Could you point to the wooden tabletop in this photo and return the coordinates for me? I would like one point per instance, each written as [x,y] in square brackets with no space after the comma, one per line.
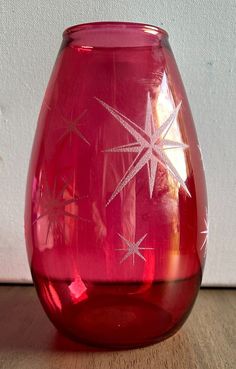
[29,341]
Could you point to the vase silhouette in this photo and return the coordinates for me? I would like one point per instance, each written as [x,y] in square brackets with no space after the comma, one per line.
[116,209]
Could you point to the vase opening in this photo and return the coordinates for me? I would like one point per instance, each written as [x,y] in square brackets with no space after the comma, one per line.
[115,34]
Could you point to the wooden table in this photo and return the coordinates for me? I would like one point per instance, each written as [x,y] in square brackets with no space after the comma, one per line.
[29,341]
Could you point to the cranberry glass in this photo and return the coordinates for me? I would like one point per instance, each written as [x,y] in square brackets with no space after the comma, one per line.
[116,209]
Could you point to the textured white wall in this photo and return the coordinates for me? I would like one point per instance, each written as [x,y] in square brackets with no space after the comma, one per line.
[203,38]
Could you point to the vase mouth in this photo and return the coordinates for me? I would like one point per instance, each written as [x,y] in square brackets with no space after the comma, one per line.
[114,34]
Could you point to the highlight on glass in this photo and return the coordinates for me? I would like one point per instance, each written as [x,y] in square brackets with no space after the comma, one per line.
[116,210]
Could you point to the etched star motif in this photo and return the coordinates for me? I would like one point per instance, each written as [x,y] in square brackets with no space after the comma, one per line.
[133,248]
[150,145]
[205,232]
[53,207]
[47,105]
[72,127]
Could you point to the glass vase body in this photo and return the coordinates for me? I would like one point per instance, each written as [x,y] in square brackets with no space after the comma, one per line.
[116,209]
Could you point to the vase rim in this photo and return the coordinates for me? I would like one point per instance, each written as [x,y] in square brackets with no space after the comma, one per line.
[155,32]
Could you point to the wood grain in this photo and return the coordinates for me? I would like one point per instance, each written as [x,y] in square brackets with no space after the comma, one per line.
[29,341]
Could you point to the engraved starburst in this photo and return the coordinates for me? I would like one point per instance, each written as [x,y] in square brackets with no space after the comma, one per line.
[205,232]
[150,145]
[71,127]
[133,248]
[53,206]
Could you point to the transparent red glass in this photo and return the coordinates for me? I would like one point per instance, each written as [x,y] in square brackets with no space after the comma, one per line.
[116,209]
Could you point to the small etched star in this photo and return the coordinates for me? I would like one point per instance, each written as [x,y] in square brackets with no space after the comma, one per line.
[133,248]
[205,232]
[150,145]
[47,105]
[72,127]
[53,207]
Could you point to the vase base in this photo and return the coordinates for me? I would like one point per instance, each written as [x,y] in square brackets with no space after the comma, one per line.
[118,315]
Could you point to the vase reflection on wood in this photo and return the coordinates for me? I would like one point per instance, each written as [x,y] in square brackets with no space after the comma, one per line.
[116,209]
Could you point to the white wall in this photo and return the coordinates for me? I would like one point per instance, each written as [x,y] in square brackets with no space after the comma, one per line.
[203,38]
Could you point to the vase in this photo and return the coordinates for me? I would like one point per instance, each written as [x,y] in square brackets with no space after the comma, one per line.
[116,207]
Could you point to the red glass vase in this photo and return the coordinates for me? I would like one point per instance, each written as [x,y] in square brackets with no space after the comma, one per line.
[116,209]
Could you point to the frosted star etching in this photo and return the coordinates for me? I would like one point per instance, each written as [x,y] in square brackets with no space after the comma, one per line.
[150,145]
[205,239]
[53,207]
[72,127]
[133,248]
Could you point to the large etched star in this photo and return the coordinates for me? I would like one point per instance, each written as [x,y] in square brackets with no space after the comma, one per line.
[53,206]
[150,145]
[133,248]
